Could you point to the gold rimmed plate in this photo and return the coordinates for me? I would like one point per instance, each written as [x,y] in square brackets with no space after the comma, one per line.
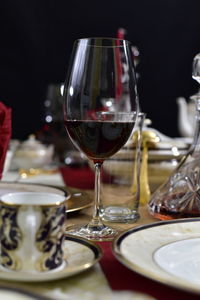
[77,199]
[166,251]
[81,256]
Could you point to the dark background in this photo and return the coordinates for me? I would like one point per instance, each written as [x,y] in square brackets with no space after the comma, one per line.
[36,38]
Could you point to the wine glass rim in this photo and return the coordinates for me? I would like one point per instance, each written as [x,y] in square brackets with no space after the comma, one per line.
[104,38]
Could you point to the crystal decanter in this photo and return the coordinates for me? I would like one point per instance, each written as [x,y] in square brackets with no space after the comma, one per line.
[179,196]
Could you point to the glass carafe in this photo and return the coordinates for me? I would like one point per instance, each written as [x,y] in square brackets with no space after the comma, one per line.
[179,196]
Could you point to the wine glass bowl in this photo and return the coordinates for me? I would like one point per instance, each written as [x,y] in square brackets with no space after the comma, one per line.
[100,109]
[104,134]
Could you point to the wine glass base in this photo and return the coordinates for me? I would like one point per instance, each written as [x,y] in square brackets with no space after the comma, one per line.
[95,233]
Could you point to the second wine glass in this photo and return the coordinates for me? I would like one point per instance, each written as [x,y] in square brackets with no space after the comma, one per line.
[100,109]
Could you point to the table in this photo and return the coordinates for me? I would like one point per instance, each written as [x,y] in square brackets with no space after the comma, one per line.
[107,276]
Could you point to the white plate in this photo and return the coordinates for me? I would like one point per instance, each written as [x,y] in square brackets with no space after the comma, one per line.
[81,255]
[166,251]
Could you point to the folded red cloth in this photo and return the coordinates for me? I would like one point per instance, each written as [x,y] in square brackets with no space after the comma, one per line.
[122,278]
[5,133]
[80,177]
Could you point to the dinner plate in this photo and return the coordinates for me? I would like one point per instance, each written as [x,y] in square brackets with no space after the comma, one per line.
[166,251]
[81,255]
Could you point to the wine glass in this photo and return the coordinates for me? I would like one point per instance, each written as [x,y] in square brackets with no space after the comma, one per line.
[100,110]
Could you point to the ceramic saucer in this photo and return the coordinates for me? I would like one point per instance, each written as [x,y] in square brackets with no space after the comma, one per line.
[81,255]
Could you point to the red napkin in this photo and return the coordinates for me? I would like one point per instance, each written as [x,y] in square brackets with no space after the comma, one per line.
[5,133]
[81,178]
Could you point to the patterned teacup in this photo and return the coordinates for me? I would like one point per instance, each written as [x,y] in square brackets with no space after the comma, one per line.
[32,229]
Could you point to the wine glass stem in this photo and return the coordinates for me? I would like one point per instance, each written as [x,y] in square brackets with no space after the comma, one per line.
[96,220]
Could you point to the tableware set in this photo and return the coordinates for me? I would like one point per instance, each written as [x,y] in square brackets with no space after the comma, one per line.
[101,116]
[34,246]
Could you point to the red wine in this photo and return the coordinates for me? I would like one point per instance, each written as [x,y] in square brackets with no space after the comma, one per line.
[167,215]
[173,207]
[99,140]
